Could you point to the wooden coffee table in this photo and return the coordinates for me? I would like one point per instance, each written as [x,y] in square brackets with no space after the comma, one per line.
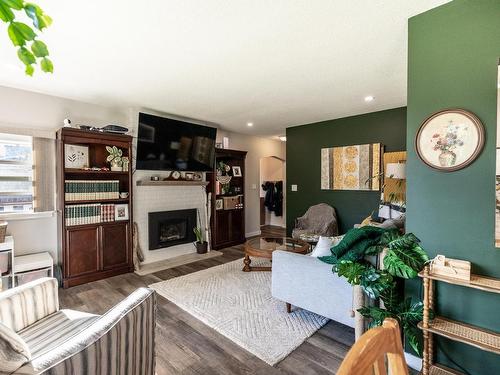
[263,247]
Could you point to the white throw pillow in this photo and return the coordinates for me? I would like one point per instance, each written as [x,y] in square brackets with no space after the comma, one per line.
[13,350]
[322,248]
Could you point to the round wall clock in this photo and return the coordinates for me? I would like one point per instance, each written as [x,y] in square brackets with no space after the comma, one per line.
[450,140]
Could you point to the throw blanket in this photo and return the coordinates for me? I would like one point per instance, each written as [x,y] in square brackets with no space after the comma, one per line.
[355,245]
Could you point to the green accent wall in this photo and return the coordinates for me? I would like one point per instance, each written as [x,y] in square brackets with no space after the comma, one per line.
[303,153]
[453,56]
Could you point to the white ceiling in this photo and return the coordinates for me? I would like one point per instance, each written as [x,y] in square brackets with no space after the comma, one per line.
[275,63]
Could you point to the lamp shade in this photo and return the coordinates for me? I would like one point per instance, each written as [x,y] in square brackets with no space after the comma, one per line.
[396,170]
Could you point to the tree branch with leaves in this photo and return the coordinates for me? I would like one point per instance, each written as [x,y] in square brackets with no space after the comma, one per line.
[31,51]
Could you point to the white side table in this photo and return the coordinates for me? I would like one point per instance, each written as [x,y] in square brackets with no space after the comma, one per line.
[40,263]
[7,248]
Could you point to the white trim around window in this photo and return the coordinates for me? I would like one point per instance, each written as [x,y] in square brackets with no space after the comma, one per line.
[13,216]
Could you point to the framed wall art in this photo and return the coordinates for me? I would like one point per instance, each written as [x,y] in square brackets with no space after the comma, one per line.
[237,171]
[76,156]
[121,212]
[219,204]
[450,140]
[351,167]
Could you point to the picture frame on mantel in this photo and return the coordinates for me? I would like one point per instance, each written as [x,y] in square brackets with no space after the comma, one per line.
[450,140]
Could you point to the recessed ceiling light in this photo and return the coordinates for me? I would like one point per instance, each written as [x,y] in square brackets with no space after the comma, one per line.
[282,138]
[369,98]
[250,124]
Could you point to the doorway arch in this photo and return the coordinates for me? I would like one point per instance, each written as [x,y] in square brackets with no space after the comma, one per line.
[272,169]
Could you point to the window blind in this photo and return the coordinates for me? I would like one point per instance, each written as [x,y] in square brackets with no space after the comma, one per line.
[16,173]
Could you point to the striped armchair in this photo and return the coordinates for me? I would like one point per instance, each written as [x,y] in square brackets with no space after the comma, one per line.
[59,341]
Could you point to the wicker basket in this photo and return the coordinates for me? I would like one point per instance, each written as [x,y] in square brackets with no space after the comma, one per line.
[3,231]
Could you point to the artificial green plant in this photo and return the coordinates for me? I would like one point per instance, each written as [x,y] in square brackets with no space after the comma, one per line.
[115,155]
[31,51]
[404,259]
[199,234]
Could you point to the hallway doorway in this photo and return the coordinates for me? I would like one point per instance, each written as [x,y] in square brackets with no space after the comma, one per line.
[272,192]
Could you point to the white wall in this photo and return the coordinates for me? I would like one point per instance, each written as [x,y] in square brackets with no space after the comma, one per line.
[26,112]
[35,235]
[22,109]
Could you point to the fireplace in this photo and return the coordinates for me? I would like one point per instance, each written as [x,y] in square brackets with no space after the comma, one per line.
[170,228]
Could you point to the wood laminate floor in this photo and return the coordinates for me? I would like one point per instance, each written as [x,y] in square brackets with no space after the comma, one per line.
[187,346]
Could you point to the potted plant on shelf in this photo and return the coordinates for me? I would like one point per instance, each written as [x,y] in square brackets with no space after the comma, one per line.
[115,158]
[201,246]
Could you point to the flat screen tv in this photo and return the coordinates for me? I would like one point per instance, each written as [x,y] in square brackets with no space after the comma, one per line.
[174,145]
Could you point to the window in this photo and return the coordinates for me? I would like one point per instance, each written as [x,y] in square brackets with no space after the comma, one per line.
[16,173]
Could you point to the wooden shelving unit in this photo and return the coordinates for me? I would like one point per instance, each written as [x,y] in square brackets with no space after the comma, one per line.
[94,251]
[442,370]
[85,171]
[171,183]
[228,224]
[453,330]
[84,201]
[488,284]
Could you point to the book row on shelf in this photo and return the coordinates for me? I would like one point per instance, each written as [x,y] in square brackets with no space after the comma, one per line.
[76,190]
[94,213]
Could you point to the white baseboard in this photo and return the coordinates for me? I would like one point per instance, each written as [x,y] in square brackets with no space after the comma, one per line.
[253,234]
[413,361]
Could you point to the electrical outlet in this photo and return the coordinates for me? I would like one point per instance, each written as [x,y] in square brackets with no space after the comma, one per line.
[254,186]
[294,187]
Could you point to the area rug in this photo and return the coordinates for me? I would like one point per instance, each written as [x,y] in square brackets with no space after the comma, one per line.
[161,265]
[239,305]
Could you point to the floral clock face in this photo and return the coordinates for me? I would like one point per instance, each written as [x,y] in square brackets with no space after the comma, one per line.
[450,140]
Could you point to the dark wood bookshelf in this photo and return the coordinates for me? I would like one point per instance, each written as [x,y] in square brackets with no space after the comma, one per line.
[227,225]
[106,223]
[90,201]
[94,251]
[86,171]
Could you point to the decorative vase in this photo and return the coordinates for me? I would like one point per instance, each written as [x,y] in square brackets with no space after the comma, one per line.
[116,165]
[447,158]
[125,164]
[201,247]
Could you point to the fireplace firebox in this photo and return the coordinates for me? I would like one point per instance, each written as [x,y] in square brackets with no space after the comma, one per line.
[170,228]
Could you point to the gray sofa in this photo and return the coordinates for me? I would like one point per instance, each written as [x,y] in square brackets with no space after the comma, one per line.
[306,282]
[59,341]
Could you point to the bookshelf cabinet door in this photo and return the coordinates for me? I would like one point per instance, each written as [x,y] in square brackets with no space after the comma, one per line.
[115,245]
[237,225]
[82,251]
[222,231]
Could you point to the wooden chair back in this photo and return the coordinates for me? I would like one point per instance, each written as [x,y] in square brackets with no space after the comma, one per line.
[368,355]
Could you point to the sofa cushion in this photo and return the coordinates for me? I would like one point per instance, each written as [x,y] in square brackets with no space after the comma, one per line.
[55,329]
[322,248]
[26,304]
[13,350]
